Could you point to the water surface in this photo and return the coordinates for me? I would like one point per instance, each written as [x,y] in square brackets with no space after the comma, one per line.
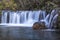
[27,33]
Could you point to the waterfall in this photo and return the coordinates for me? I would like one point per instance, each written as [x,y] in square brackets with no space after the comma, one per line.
[53,13]
[29,17]
[4,17]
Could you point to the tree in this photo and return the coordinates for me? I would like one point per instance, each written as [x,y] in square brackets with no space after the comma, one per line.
[8,4]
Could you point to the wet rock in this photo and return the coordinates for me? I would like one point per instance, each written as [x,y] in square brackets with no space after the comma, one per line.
[58,19]
[38,25]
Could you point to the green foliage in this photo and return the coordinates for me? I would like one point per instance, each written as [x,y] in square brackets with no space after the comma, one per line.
[8,4]
[28,4]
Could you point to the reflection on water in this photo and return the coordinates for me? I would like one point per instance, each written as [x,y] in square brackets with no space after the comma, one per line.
[25,33]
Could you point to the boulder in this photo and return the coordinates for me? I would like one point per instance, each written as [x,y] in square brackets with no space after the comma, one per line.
[38,25]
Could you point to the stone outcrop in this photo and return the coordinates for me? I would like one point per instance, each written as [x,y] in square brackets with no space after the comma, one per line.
[38,25]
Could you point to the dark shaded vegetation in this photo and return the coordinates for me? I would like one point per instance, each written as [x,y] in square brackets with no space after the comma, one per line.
[28,4]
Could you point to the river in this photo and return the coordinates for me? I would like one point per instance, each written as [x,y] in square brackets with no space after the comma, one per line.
[27,33]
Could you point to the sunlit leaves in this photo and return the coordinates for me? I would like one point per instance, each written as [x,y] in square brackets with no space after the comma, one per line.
[28,4]
[8,4]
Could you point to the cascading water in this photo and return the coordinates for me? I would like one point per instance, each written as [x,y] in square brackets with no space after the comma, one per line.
[50,19]
[21,18]
[28,18]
